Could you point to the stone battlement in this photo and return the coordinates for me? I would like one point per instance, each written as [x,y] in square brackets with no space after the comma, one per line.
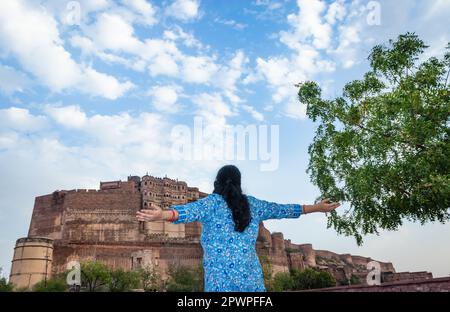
[100,224]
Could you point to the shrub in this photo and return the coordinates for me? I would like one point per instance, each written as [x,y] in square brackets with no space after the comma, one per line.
[184,279]
[4,285]
[122,281]
[150,279]
[312,279]
[95,275]
[282,281]
[51,285]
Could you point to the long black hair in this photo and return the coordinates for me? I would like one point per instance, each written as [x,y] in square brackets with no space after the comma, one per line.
[228,184]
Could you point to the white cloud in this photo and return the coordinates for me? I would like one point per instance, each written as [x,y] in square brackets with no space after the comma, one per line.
[212,108]
[346,51]
[270,4]
[336,12]
[252,111]
[111,131]
[165,98]
[162,56]
[282,73]
[231,23]
[20,119]
[228,76]
[69,116]
[274,69]
[89,49]
[113,32]
[308,25]
[67,14]
[135,11]
[184,10]
[309,39]
[295,109]
[198,69]
[31,35]
[85,44]
[436,8]
[145,10]
[12,81]
[100,84]
[188,39]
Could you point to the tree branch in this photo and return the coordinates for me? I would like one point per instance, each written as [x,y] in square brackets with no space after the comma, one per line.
[386,135]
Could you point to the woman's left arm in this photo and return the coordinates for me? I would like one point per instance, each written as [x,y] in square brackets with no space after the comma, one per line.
[269,210]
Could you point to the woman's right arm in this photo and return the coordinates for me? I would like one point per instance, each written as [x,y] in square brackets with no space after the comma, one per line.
[323,206]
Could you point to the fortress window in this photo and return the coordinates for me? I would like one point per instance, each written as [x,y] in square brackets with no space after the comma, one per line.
[138,262]
[141,226]
[145,182]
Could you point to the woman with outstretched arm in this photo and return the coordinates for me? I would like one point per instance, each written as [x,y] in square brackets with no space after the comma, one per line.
[230,228]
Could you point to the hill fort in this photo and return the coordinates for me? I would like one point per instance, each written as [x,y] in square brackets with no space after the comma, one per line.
[100,224]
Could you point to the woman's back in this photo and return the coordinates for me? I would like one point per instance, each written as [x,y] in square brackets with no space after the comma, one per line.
[230,259]
[230,228]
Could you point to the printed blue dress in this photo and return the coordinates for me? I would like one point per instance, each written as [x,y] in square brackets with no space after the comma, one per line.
[230,261]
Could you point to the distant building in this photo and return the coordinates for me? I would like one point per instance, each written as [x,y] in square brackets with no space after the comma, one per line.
[101,225]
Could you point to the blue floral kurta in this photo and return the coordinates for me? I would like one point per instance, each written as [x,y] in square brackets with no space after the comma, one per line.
[229,257]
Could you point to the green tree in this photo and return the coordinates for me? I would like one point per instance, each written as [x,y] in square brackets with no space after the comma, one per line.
[312,279]
[57,284]
[4,285]
[355,280]
[282,281]
[150,279]
[94,275]
[121,281]
[182,278]
[383,146]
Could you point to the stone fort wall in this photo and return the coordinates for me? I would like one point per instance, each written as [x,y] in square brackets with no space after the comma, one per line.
[101,225]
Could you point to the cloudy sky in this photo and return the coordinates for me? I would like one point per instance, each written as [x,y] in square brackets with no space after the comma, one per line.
[92,90]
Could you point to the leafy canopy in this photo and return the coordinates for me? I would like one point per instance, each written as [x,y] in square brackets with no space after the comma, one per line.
[383,146]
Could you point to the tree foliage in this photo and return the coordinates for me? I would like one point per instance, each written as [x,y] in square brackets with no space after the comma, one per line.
[52,285]
[121,281]
[4,285]
[182,278]
[383,145]
[150,279]
[94,275]
[312,279]
[282,281]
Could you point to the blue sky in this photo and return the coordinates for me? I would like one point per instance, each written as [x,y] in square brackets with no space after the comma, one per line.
[94,96]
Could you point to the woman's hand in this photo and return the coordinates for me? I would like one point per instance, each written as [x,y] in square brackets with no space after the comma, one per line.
[154,214]
[323,206]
